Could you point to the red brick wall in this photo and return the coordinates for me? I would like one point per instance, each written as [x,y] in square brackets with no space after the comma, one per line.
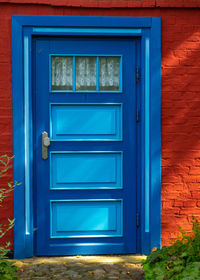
[180,97]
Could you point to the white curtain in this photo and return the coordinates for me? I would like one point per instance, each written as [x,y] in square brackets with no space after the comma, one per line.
[109,76]
[85,73]
[61,67]
[62,72]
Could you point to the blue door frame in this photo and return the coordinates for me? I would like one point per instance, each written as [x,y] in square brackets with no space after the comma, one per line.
[148,31]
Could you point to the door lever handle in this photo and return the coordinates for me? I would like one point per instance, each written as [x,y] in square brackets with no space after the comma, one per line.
[45,145]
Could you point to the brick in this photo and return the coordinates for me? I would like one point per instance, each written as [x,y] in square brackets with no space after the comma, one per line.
[195,194]
[173,211]
[198,203]
[173,179]
[194,186]
[190,212]
[170,218]
[170,194]
[180,95]
[189,203]
[168,204]
[91,3]
[178,203]
[172,187]
[192,179]
[111,4]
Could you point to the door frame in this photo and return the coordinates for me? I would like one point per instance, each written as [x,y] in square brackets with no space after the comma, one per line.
[148,30]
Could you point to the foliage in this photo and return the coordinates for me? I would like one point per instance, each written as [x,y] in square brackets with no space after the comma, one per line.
[180,261]
[7,269]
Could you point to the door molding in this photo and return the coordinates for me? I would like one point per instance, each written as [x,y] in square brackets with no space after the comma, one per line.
[148,30]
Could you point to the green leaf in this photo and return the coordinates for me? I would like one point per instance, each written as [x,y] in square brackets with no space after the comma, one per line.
[180,261]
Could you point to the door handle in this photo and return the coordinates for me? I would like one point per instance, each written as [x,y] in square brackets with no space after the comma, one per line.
[45,145]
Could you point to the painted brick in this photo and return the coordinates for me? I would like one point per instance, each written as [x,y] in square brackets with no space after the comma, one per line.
[169,204]
[90,3]
[195,195]
[177,3]
[195,170]
[189,203]
[112,3]
[190,212]
[194,187]
[198,203]
[178,203]
[180,96]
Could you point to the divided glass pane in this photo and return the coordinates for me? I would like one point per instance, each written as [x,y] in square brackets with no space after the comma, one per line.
[109,74]
[61,73]
[85,73]
[65,76]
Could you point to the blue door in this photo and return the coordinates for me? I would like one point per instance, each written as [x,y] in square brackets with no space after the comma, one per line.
[85,191]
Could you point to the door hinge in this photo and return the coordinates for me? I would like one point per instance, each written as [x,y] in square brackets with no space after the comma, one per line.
[137,220]
[137,115]
[138,74]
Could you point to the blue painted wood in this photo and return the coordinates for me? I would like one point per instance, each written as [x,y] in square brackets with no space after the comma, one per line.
[147,134]
[91,218]
[145,159]
[23,25]
[121,75]
[22,143]
[97,71]
[86,30]
[86,170]
[18,140]
[86,122]
[84,21]
[28,138]
[150,154]
[139,146]
[155,127]
[27,128]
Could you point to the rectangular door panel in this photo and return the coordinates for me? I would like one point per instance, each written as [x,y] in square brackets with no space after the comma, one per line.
[88,122]
[86,170]
[91,218]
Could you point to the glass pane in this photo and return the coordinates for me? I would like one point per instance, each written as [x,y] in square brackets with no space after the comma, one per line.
[109,76]
[61,69]
[85,73]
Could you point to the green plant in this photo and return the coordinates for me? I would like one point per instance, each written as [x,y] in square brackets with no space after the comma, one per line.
[180,261]
[7,269]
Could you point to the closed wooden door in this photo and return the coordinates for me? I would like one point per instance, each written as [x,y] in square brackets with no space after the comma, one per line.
[85,187]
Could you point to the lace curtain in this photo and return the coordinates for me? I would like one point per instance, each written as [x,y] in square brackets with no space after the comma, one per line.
[61,67]
[109,73]
[86,73]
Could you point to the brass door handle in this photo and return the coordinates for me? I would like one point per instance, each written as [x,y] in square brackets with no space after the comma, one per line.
[45,145]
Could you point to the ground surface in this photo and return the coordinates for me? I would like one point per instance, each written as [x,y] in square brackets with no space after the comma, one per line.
[81,267]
